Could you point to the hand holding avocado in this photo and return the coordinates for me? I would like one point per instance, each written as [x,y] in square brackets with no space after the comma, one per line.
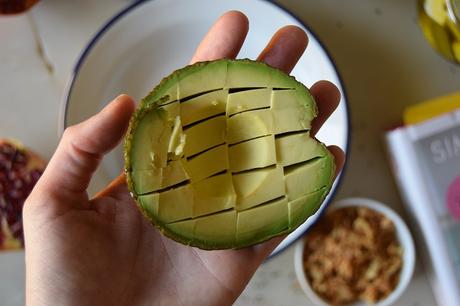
[102,251]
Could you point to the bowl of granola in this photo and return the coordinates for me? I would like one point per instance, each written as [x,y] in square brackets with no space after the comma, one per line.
[359,253]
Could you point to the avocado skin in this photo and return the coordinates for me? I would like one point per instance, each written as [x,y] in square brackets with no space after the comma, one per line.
[157,97]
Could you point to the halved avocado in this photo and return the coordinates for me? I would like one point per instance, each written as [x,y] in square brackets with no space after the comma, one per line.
[219,155]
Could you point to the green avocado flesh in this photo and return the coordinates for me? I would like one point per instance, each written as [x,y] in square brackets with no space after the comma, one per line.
[219,155]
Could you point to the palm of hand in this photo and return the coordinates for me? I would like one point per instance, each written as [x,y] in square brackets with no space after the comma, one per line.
[120,259]
[102,251]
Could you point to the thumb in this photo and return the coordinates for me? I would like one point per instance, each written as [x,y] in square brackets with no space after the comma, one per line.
[80,150]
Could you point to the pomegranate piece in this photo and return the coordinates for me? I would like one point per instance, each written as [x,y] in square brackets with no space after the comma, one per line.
[20,169]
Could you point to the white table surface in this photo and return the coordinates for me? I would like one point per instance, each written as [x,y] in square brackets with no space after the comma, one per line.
[385,63]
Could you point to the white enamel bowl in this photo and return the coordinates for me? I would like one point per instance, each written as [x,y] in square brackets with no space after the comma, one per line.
[149,39]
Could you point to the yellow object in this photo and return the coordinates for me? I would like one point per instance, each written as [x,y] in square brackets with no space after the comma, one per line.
[432,108]
[440,23]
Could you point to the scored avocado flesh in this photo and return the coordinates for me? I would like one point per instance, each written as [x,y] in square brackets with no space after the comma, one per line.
[219,155]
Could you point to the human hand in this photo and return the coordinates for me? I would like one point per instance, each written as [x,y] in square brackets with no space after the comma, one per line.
[102,251]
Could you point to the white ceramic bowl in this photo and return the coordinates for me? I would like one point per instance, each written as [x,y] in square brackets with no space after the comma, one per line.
[405,240]
[147,40]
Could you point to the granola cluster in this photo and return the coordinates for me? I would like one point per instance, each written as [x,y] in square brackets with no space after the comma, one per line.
[353,254]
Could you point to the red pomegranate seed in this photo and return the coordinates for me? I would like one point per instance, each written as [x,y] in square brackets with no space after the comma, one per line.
[17,180]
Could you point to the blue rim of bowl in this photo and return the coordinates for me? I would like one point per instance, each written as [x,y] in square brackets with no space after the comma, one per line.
[109,23]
